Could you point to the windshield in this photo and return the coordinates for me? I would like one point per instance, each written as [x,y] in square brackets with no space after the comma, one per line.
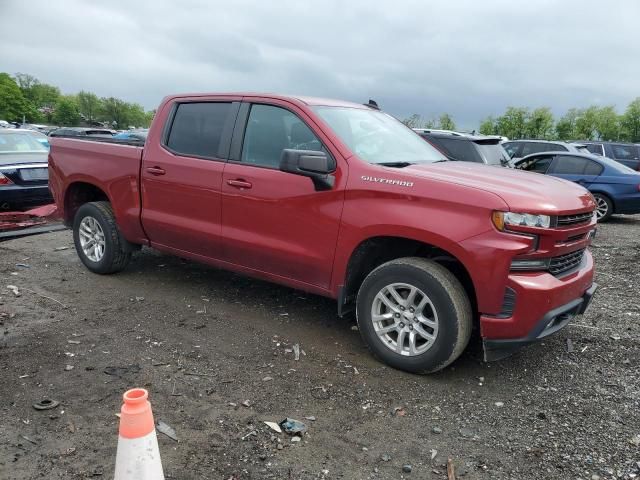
[376,137]
[20,143]
[493,153]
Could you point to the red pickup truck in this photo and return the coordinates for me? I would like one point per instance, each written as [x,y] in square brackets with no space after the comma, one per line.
[341,200]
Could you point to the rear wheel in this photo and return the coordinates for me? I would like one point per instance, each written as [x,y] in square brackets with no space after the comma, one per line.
[414,315]
[604,207]
[97,239]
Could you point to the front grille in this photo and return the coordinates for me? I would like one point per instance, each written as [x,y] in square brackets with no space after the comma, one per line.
[578,218]
[564,263]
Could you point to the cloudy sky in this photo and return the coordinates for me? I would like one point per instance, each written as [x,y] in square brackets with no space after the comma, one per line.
[466,57]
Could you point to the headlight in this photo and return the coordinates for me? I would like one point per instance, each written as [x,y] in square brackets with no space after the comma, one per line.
[505,219]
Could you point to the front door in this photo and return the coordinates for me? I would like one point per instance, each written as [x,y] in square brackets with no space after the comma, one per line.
[182,174]
[272,221]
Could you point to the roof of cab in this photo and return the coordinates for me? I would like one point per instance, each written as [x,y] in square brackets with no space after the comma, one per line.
[310,101]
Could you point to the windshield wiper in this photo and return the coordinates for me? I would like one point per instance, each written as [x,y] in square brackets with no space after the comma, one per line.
[396,164]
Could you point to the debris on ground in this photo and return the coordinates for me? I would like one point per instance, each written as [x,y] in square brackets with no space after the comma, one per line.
[14,290]
[406,468]
[296,351]
[46,404]
[273,426]
[120,371]
[385,457]
[569,346]
[293,427]
[451,471]
[167,430]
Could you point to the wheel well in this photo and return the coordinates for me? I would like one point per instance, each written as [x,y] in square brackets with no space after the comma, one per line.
[605,194]
[375,251]
[78,194]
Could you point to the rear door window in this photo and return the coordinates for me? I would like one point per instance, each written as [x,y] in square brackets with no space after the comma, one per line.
[624,152]
[462,150]
[596,149]
[568,165]
[555,147]
[593,168]
[197,129]
[493,153]
[511,148]
[533,147]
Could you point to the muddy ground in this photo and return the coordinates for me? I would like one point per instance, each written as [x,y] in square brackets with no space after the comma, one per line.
[204,341]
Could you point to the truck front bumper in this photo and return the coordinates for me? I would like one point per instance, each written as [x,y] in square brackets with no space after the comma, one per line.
[541,306]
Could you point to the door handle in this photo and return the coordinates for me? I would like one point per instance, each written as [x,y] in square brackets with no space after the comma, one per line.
[156,171]
[239,183]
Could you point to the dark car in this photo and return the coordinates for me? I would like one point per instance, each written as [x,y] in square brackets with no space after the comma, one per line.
[626,153]
[81,132]
[615,187]
[518,149]
[24,177]
[135,135]
[468,148]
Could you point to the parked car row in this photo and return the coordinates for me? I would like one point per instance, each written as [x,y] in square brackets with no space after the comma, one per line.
[23,161]
[614,182]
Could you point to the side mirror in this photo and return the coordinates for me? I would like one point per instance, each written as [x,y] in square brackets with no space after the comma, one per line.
[318,166]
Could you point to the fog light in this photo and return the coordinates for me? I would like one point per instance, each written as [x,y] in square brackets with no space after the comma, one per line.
[533,264]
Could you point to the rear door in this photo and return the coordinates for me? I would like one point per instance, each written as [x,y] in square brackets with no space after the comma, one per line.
[575,169]
[626,154]
[272,221]
[182,173]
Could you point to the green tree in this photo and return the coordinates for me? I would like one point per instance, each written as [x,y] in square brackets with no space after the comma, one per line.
[148,117]
[414,121]
[89,105]
[539,124]
[607,124]
[66,111]
[566,126]
[135,115]
[115,111]
[513,123]
[585,127]
[12,103]
[630,121]
[488,126]
[445,122]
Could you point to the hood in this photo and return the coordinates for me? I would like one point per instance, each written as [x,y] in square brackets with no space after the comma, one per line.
[16,158]
[524,192]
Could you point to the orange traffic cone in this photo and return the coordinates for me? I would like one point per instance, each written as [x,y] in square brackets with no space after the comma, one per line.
[138,456]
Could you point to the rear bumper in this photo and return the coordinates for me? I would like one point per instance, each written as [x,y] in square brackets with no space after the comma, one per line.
[543,305]
[25,196]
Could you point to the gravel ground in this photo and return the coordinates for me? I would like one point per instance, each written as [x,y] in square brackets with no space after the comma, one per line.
[215,350]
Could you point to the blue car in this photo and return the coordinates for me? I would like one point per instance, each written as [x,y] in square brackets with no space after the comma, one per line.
[133,135]
[615,187]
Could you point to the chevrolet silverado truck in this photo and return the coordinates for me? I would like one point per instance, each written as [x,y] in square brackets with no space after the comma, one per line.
[341,200]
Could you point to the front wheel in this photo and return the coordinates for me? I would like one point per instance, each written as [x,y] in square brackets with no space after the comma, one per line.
[604,207]
[414,315]
[97,239]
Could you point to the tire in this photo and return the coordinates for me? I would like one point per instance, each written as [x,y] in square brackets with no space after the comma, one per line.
[446,302]
[604,207]
[114,258]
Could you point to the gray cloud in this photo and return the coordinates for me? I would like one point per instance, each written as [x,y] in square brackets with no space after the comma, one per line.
[465,57]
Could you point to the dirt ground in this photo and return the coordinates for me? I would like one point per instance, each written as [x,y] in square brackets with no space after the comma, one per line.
[204,341]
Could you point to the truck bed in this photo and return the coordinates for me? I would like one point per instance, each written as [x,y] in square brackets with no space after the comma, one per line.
[111,165]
